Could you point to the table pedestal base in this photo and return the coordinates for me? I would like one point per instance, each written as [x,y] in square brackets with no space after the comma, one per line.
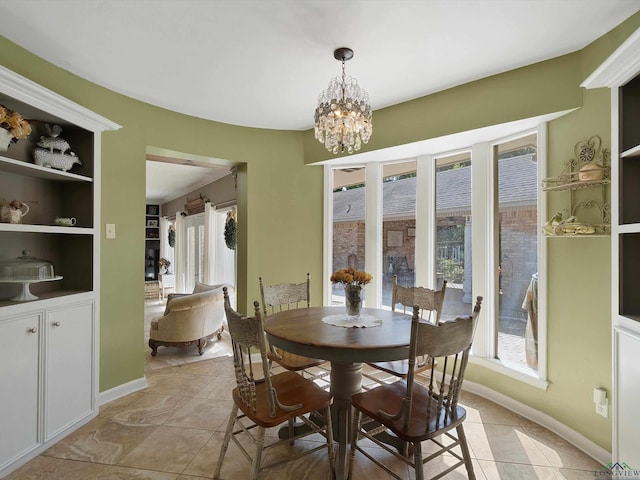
[346,380]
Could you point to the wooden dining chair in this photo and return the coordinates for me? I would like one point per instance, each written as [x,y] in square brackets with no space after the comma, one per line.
[431,303]
[415,413]
[268,400]
[286,296]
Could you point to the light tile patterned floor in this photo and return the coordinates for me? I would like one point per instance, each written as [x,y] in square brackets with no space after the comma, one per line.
[173,430]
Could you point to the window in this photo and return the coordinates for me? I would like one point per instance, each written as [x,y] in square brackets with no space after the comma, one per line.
[470,217]
[453,234]
[398,226]
[349,195]
[517,251]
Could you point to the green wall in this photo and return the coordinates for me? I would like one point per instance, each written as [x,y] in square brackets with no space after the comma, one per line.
[279,203]
[280,209]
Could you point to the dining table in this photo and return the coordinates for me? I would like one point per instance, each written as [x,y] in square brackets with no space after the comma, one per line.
[328,333]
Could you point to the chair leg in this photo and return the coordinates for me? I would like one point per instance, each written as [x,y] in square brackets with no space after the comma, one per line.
[417,460]
[291,432]
[332,454]
[227,437]
[257,459]
[355,432]
[462,438]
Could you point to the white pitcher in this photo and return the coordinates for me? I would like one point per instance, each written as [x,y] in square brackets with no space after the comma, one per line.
[10,214]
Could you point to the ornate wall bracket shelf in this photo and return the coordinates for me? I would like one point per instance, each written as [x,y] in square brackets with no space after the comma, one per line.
[588,216]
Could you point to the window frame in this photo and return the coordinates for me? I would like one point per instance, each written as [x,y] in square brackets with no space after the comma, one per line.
[484,207]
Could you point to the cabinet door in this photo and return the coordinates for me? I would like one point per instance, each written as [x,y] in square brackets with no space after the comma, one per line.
[69,376]
[19,347]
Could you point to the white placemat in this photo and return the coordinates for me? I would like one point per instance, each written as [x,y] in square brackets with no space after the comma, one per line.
[361,321]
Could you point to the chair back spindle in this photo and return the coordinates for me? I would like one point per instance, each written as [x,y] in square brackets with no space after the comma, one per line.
[451,343]
[247,333]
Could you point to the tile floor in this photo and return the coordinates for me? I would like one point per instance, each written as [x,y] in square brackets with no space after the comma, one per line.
[173,430]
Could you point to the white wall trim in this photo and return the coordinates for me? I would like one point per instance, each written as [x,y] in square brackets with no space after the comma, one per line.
[576,439]
[25,90]
[122,390]
[620,67]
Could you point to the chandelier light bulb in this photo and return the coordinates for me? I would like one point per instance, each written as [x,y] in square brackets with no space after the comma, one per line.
[343,115]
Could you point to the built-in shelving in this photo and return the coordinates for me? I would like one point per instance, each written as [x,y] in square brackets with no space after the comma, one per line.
[620,72]
[53,389]
[152,242]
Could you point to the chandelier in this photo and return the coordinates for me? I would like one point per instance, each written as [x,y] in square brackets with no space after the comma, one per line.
[343,115]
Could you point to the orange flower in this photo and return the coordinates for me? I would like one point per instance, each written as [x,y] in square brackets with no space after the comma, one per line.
[351,276]
[13,122]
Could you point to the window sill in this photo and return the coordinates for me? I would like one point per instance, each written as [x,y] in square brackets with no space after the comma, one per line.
[522,375]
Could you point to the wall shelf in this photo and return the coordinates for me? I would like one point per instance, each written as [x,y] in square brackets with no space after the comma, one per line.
[20,167]
[586,178]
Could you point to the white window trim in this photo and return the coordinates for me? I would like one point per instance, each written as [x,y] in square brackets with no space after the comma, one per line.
[484,182]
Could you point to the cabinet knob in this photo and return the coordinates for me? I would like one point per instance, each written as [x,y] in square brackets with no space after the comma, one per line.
[56,324]
[33,330]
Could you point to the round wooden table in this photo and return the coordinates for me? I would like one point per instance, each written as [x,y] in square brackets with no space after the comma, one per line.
[303,332]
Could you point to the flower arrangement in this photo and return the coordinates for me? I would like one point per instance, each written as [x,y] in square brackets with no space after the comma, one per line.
[351,276]
[13,122]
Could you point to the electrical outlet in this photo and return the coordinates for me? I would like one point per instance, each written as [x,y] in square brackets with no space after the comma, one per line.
[603,410]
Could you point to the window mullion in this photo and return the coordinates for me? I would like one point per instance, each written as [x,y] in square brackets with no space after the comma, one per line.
[373,233]
[425,267]
[483,187]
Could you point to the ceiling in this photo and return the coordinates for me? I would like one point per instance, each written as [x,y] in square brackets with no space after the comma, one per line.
[167,180]
[263,63]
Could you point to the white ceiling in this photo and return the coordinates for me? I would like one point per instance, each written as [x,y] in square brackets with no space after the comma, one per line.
[263,63]
[168,181]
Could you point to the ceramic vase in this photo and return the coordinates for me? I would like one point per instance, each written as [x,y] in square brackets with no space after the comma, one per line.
[353,299]
[5,139]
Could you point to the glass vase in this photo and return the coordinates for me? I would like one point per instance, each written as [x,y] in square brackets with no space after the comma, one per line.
[352,299]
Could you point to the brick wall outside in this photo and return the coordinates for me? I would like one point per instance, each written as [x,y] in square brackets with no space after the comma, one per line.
[518,255]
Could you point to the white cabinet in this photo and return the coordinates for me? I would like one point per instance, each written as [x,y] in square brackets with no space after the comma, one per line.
[69,380]
[48,346]
[19,380]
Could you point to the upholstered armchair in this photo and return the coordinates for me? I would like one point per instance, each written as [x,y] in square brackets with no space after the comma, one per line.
[190,319]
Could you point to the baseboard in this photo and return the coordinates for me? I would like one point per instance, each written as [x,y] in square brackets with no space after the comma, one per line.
[582,443]
[122,390]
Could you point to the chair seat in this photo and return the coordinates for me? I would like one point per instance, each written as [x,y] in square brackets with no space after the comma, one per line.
[291,361]
[389,399]
[292,390]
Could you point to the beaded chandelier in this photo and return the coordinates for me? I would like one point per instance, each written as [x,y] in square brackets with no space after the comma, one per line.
[343,115]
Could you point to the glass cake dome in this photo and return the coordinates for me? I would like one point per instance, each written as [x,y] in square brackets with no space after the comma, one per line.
[26,267]
[25,270]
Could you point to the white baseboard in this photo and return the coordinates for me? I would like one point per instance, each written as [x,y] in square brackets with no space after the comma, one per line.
[577,440]
[122,390]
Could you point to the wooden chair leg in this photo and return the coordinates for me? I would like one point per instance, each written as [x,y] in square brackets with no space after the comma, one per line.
[257,459]
[417,461]
[227,438]
[355,432]
[462,438]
